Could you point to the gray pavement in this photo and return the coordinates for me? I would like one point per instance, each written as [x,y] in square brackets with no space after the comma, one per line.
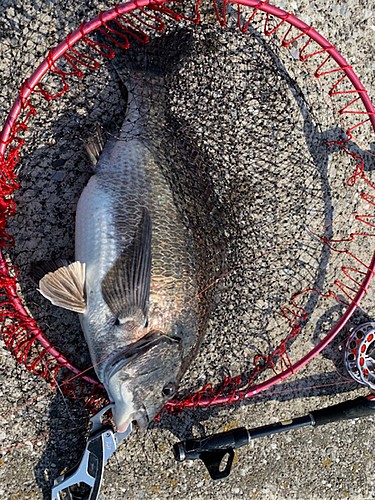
[260,125]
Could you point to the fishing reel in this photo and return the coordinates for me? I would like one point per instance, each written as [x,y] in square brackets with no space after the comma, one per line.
[359,355]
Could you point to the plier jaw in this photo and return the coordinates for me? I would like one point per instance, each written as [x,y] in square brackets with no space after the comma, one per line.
[84,481]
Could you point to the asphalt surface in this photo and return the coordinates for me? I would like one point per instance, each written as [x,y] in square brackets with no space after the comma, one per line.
[251,124]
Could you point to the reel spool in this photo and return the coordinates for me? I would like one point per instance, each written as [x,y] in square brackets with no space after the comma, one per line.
[360,355]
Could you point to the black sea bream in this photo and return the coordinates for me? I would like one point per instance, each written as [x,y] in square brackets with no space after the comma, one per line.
[134,277]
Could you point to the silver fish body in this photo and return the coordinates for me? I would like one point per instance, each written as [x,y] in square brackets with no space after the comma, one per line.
[127,181]
[136,290]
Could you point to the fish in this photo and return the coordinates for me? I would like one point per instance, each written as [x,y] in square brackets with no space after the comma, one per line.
[135,279]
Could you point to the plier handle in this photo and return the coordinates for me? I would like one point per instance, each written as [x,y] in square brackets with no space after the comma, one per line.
[84,481]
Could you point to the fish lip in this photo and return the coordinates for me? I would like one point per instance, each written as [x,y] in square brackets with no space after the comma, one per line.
[134,350]
[139,417]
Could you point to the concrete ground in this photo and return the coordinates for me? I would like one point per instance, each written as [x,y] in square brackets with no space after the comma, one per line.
[260,124]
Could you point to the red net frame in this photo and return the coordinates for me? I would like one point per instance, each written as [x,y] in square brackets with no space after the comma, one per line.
[20,332]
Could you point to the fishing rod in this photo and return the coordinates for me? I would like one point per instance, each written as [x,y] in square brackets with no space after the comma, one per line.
[217,450]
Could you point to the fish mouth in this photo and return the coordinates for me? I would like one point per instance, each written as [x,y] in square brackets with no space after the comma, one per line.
[140,417]
[135,350]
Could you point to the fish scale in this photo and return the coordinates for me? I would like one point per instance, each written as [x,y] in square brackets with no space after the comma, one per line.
[130,181]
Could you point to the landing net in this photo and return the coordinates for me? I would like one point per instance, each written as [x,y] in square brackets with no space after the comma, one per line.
[271,127]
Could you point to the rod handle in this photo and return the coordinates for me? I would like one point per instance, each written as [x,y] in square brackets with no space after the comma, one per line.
[359,407]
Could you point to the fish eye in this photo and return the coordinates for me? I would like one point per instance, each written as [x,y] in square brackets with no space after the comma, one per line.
[169,389]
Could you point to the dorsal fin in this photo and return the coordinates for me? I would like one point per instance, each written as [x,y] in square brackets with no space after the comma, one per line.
[66,287]
[94,145]
[126,287]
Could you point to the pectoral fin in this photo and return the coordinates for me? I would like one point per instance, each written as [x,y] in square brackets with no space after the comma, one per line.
[66,287]
[126,287]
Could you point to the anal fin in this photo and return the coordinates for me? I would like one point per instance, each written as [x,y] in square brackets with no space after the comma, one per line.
[65,287]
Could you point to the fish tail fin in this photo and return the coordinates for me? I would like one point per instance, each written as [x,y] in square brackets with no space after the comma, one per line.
[158,57]
[145,70]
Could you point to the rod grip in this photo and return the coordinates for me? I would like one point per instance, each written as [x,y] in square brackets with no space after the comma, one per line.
[359,407]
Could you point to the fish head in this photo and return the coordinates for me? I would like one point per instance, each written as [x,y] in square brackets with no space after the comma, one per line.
[143,379]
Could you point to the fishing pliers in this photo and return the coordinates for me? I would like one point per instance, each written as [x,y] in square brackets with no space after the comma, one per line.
[83,481]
